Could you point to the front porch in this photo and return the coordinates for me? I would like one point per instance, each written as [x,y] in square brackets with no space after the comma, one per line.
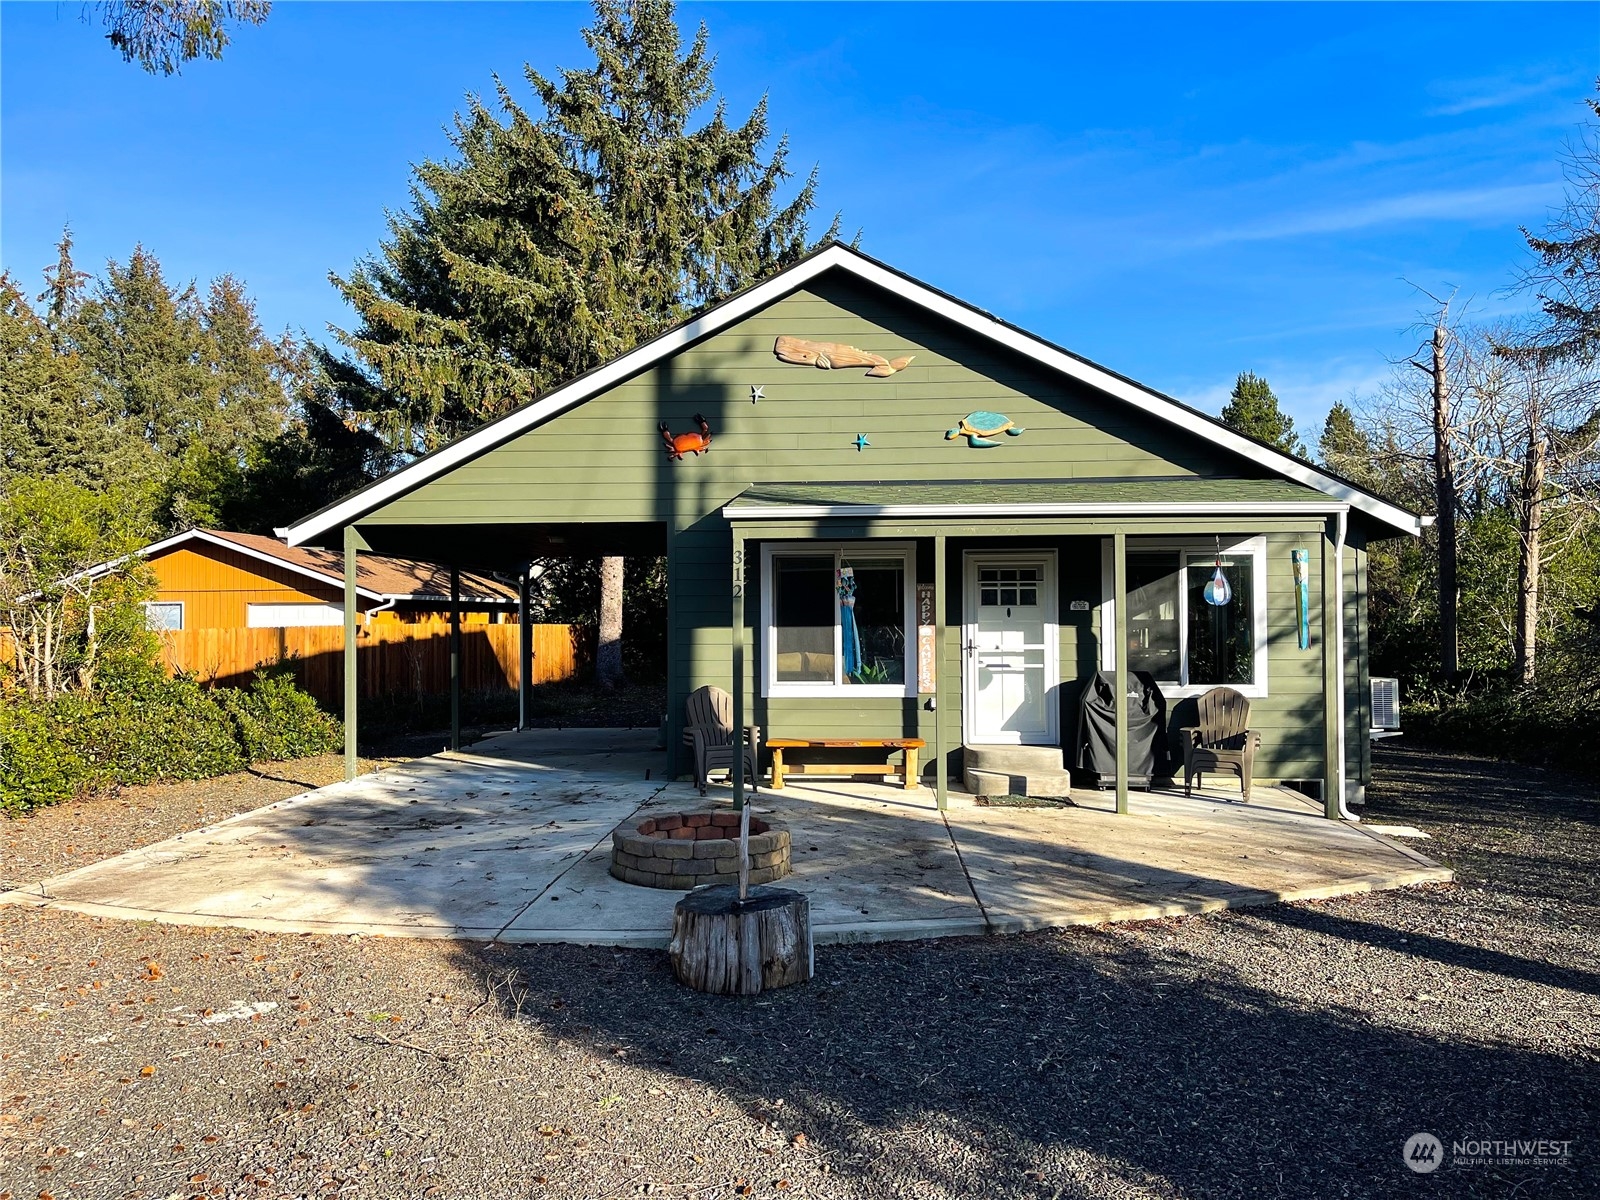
[510,841]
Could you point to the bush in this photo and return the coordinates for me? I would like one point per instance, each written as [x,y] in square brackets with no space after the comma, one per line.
[275,720]
[148,727]
[1551,722]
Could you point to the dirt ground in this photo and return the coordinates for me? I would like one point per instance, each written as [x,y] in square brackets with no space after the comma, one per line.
[1282,1051]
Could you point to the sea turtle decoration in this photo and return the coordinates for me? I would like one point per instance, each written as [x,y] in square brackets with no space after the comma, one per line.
[982,428]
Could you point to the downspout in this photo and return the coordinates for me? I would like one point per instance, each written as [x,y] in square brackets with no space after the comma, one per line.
[384,607]
[1343,520]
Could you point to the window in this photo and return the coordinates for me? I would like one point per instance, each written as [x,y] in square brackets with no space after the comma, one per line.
[292,616]
[1009,587]
[836,619]
[163,616]
[1175,634]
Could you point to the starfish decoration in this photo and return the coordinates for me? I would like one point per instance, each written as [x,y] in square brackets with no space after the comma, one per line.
[861,441]
[757,393]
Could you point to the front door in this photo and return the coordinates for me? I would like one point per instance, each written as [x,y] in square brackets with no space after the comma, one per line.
[1013,668]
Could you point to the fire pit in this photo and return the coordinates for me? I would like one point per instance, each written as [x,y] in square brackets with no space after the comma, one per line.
[684,850]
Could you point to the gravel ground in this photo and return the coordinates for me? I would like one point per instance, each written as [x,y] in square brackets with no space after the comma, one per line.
[1283,1051]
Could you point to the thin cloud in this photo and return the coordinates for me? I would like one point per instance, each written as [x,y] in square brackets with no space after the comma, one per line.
[1457,204]
[1501,95]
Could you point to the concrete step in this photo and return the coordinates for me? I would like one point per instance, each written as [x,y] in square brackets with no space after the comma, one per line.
[1054,784]
[1013,760]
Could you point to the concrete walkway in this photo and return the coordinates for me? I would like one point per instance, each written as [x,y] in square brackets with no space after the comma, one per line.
[511,841]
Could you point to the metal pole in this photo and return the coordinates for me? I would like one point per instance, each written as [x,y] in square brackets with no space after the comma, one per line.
[738,679]
[524,647]
[351,764]
[1119,601]
[455,657]
[941,770]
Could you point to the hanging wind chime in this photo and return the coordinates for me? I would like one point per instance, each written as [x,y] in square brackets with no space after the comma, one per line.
[1218,592]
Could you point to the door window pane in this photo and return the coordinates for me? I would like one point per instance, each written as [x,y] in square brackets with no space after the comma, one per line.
[803,613]
[872,630]
[1153,615]
[1221,637]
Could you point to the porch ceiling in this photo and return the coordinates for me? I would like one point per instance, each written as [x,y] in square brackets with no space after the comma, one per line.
[1029,497]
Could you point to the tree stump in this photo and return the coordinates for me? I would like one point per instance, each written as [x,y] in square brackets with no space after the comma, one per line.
[730,947]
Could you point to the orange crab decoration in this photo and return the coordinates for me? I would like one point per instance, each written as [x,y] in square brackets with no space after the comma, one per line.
[686,443]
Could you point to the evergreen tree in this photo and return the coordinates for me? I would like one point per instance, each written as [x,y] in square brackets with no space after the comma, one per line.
[1344,447]
[1253,409]
[162,35]
[557,239]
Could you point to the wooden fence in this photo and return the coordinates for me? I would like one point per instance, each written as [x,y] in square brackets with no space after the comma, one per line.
[392,659]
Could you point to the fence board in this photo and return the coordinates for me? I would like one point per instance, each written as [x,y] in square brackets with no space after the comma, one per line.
[408,659]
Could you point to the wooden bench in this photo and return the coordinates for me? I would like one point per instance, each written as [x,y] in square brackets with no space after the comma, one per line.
[907,770]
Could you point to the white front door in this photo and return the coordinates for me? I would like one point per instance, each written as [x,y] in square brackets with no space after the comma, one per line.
[1012,677]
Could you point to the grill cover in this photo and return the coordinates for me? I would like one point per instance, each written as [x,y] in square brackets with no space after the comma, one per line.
[1147,729]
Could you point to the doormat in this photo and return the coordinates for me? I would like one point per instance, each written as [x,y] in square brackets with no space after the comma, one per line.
[1024,802]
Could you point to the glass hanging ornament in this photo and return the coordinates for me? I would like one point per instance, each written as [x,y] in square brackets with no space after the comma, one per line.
[1218,593]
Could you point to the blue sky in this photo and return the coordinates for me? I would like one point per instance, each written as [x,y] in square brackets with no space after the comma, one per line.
[1179,192]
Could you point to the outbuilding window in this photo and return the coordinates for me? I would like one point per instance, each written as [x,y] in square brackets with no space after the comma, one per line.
[163,616]
[1187,644]
[837,619]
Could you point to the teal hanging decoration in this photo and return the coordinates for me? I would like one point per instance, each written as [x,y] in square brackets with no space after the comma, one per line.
[1218,593]
[849,633]
[1302,593]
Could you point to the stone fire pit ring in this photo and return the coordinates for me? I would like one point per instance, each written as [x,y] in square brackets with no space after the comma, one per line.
[683,850]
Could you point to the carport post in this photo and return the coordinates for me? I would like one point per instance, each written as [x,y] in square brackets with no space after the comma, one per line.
[351,540]
[941,768]
[1119,604]
[738,669]
[524,647]
[455,657]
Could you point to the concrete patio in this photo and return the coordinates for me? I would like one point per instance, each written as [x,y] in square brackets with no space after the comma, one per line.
[510,841]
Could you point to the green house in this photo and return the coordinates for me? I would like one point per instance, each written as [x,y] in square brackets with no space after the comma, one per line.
[948,547]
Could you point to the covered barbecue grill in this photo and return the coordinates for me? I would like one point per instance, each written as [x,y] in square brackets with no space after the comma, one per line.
[1096,747]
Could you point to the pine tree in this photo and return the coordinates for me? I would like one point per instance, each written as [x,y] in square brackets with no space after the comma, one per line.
[556,240]
[1344,447]
[1253,409]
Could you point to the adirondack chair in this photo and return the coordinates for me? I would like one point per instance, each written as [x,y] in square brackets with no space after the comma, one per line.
[709,732]
[1223,740]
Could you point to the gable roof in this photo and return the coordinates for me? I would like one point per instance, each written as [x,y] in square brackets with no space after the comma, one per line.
[378,577]
[837,257]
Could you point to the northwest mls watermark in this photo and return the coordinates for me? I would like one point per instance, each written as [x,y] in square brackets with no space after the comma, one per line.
[1424,1153]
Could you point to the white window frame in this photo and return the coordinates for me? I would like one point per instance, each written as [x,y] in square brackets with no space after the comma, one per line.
[1254,548]
[183,615]
[273,608]
[771,685]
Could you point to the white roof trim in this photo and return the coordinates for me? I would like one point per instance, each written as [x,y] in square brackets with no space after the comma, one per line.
[353,507]
[786,512]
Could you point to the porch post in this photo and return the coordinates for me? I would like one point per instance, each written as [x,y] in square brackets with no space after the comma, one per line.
[941,767]
[738,668]
[1332,776]
[351,540]
[455,657]
[524,647]
[1119,598]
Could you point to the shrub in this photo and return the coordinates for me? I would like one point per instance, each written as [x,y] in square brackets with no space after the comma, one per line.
[274,720]
[148,727]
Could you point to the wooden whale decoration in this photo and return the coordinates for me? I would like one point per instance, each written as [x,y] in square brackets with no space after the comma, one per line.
[832,355]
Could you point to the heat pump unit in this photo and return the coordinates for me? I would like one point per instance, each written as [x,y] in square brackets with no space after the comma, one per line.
[1385,705]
